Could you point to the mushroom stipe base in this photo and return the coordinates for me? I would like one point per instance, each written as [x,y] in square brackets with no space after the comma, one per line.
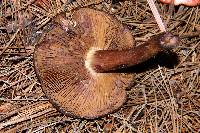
[74,62]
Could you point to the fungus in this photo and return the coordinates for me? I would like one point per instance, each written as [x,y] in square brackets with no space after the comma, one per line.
[78,64]
[182,2]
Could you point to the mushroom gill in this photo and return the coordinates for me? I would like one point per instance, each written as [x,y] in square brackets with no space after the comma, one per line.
[74,62]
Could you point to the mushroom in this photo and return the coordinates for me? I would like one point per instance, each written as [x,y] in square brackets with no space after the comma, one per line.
[78,65]
[182,2]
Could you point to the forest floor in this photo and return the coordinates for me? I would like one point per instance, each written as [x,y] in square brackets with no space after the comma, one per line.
[164,95]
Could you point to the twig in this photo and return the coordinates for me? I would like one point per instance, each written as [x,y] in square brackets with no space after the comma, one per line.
[27,99]
[28,117]
[156,15]
[194,47]
[8,44]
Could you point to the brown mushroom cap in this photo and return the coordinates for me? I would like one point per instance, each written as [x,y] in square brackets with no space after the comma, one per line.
[61,60]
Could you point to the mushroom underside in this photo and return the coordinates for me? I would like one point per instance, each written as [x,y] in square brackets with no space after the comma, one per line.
[61,64]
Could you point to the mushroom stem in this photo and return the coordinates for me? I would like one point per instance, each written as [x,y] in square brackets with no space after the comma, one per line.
[109,60]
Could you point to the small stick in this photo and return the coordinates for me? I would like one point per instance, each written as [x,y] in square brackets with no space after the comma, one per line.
[156,15]
[8,44]
[25,118]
